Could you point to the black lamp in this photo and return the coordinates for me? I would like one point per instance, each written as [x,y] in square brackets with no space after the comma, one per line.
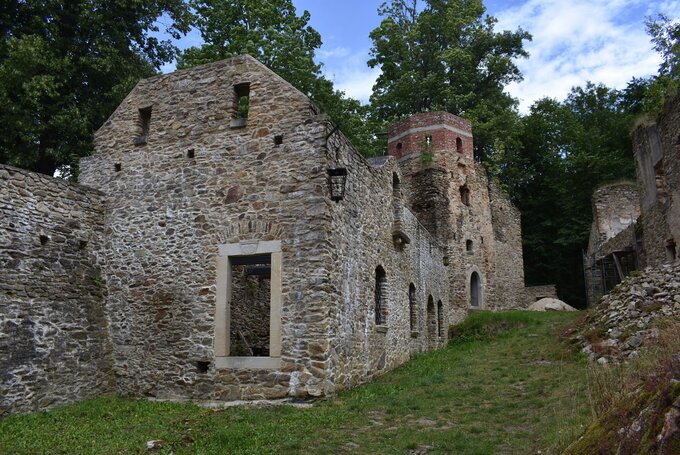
[337,178]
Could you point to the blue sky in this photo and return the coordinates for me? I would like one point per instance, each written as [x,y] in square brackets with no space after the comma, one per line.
[574,41]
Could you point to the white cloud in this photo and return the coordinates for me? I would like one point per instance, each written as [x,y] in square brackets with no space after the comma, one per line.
[576,41]
[349,72]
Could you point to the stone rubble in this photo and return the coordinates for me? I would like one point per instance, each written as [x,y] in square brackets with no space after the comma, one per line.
[626,320]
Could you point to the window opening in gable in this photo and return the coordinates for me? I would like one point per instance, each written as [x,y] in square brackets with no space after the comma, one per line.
[242,101]
[250,306]
[143,125]
[380,296]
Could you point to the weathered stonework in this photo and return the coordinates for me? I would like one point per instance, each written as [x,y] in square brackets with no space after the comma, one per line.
[650,239]
[231,273]
[54,343]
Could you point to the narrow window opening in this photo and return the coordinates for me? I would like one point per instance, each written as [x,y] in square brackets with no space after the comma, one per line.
[396,187]
[468,245]
[202,366]
[143,125]
[412,307]
[459,145]
[475,290]
[250,305]
[44,239]
[380,296]
[191,153]
[82,244]
[399,145]
[661,188]
[465,195]
[428,140]
[242,101]
[440,319]
[431,323]
[117,167]
[278,139]
[671,252]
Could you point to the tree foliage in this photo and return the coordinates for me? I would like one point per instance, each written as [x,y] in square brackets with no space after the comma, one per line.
[567,149]
[272,32]
[65,66]
[446,55]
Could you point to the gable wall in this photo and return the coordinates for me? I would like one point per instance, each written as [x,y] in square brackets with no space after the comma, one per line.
[168,214]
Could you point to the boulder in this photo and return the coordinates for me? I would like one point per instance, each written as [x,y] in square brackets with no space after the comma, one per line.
[550,304]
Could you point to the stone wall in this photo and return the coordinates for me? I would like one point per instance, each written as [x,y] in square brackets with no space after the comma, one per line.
[535,293]
[201,178]
[228,270]
[615,207]
[507,274]
[655,149]
[363,227]
[452,197]
[54,344]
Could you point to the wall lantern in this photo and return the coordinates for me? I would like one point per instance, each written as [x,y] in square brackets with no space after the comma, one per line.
[336,183]
[445,260]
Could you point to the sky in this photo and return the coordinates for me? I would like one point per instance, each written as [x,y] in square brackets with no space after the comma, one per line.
[574,41]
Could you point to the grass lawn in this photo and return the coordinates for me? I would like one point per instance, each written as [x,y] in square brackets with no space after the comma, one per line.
[505,386]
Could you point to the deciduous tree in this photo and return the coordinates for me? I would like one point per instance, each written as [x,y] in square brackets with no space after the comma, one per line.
[64,67]
[446,55]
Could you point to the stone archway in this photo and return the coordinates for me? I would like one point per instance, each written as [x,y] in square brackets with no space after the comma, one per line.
[475,290]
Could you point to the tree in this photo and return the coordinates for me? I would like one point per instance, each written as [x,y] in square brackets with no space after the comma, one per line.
[568,148]
[665,35]
[272,32]
[65,66]
[446,56]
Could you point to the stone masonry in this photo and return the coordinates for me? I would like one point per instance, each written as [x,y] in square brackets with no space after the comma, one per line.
[221,267]
[54,339]
[649,240]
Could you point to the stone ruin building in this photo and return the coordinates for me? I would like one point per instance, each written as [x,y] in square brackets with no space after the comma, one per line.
[636,224]
[226,241]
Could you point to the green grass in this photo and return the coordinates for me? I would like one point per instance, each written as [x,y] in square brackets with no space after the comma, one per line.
[505,385]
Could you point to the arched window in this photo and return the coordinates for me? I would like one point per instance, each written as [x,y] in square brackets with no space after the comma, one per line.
[475,290]
[380,296]
[412,307]
[468,245]
[459,145]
